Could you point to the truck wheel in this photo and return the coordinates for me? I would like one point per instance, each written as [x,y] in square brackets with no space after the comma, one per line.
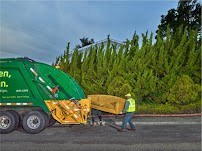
[45,115]
[34,121]
[17,118]
[7,122]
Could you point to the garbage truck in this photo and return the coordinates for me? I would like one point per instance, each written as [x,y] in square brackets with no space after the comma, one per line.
[35,95]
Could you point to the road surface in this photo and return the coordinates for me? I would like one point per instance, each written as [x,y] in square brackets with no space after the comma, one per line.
[152,134]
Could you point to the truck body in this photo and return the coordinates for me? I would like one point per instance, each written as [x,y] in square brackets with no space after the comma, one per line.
[35,94]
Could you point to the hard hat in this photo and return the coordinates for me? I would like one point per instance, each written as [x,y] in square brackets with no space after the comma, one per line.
[129,95]
[57,67]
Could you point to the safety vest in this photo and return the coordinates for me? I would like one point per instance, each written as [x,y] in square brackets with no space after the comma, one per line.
[131,107]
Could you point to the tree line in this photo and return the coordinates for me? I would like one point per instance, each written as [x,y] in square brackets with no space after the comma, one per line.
[164,72]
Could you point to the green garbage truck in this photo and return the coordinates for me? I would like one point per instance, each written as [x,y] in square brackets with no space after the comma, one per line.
[35,95]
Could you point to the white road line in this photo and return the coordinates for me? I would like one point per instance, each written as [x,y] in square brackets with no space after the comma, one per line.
[161,123]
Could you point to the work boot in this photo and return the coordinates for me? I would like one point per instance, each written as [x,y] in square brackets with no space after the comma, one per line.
[122,130]
[93,124]
[131,129]
[101,124]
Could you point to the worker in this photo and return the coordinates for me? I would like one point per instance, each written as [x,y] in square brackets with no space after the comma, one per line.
[96,113]
[129,109]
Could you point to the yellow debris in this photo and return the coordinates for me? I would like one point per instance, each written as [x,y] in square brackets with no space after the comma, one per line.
[107,103]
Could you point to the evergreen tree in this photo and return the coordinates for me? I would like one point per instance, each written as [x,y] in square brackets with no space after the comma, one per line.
[84,70]
[66,58]
[184,91]
[89,74]
[84,42]
[157,73]
[101,76]
[119,87]
[74,69]
[187,14]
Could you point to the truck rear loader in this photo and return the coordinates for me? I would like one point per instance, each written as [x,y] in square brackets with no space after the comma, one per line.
[36,94]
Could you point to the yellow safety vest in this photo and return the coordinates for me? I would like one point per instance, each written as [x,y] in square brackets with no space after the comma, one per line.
[131,107]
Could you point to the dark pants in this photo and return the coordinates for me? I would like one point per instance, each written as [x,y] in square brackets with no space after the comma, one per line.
[96,113]
[128,119]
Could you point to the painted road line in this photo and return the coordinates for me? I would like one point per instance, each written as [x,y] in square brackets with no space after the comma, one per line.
[161,123]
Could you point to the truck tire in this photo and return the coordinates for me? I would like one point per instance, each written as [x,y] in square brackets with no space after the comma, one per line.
[45,115]
[17,118]
[34,121]
[7,122]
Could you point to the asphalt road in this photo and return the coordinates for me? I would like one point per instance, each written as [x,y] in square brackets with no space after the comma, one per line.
[152,134]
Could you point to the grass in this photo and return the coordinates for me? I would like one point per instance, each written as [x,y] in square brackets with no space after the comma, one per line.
[168,108]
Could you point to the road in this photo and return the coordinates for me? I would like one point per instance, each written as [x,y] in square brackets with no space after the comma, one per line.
[152,134]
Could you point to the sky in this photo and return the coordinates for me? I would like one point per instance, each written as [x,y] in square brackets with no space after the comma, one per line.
[41,30]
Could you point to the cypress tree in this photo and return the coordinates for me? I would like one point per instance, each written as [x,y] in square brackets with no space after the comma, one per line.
[66,58]
[74,70]
[101,76]
[84,69]
[88,71]
[157,73]
[184,91]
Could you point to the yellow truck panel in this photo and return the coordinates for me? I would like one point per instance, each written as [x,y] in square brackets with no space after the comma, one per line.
[69,112]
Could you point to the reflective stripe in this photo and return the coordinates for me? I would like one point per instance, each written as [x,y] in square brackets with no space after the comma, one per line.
[33,72]
[65,105]
[77,109]
[131,107]
[41,80]
[15,104]
[49,88]
[75,116]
